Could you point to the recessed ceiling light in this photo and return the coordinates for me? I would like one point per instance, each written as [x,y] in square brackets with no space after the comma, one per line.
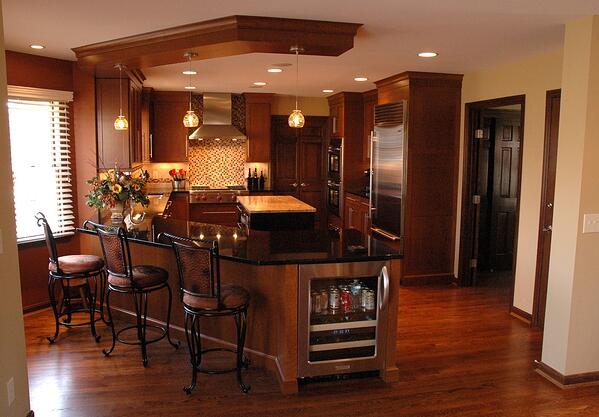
[189,72]
[360,79]
[190,87]
[427,54]
[275,70]
[260,83]
[34,46]
[327,91]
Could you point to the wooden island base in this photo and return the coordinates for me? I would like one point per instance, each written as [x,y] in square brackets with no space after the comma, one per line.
[272,339]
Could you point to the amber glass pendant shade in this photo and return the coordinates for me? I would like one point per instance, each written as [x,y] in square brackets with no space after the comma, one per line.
[191,119]
[121,123]
[296,119]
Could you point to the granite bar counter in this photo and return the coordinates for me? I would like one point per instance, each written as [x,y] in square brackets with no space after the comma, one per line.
[272,266]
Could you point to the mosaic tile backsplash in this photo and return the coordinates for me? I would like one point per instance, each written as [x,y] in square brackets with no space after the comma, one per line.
[217,164]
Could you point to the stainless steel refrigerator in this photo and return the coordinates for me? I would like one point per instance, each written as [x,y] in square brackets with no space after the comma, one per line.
[388,157]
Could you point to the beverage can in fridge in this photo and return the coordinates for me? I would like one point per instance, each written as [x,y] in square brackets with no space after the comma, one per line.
[334,301]
[346,300]
[324,300]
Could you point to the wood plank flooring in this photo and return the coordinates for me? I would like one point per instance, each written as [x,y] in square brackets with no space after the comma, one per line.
[459,353]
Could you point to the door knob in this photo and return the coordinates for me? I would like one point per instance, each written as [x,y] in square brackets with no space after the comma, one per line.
[547,228]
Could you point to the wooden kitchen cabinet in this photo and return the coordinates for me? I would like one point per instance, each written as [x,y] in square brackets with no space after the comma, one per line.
[221,213]
[118,147]
[177,206]
[347,122]
[356,213]
[258,126]
[169,136]
[146,124]
[369,101]
[433,125]
[299,162]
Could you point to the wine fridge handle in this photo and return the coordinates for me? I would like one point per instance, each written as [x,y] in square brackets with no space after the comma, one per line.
[384,299]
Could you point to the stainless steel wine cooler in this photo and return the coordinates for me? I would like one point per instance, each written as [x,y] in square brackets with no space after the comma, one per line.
[342,317]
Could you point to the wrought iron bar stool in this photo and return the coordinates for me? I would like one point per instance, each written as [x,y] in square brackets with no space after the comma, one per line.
[136,280]
[203,296]
[73,272]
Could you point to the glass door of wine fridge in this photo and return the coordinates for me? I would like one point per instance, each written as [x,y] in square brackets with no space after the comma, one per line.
[342,317]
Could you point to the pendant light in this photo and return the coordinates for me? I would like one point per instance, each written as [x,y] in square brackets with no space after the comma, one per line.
[296,118]
[120,123]
[190,119]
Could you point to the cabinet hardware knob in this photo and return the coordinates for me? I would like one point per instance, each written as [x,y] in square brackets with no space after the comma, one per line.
[294,185]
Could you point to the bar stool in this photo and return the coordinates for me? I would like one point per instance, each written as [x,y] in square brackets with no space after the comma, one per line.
[203,296]
[136,280]
[79,272]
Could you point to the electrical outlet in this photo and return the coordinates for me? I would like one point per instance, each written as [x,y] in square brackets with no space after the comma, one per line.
[591,223]
[10,391]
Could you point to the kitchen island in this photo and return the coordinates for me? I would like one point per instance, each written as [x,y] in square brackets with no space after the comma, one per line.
[282,270]
[276,212]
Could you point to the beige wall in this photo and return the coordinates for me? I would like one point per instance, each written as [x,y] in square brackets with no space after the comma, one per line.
[571,339]
[12,343]
[310,106]
[532,76]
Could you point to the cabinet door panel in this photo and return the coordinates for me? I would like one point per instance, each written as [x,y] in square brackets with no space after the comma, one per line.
[169,134]
[113,145]
[258,131]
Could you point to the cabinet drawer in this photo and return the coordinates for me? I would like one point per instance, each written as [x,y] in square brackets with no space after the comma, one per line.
[225,214]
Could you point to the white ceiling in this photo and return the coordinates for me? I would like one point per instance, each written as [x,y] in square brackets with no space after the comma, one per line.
[468,34]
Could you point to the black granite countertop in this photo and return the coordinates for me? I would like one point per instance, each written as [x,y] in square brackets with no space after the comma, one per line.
[267,247]
[360,192]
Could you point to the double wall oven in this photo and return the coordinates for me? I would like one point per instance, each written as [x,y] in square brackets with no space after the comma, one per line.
[334,176]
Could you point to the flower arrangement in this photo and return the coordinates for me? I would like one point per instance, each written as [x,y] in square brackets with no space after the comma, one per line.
[116,186]
[178,174]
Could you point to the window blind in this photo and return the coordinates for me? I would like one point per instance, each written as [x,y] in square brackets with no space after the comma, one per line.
[41,161]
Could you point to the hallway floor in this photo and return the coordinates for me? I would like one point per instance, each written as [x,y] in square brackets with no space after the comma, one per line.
[460,353]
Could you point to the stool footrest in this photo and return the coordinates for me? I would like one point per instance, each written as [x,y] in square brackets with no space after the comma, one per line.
[138,342]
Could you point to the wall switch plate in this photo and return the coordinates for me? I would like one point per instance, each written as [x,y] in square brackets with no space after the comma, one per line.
[10,391]
[591,223]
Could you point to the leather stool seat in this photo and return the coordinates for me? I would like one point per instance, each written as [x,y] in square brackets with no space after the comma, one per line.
[232,297]
[144,276]
[77,264]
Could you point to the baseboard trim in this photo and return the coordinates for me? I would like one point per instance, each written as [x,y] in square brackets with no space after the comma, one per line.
[35,307]
[521,315]
[566,381]
[418,280]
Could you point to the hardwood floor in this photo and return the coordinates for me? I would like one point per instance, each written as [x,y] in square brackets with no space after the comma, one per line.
[459,354]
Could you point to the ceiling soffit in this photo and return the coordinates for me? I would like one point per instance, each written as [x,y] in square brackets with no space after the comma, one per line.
[227,36]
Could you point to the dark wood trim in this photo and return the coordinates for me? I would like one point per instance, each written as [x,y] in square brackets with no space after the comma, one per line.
[468,209]
[419,280]
[520,314]
[226,36]
[36,307]
[565,381]
[540,291]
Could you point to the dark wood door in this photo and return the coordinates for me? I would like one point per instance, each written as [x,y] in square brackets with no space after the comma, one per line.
[299,165]
[505,193]
[546,216]
[285,172]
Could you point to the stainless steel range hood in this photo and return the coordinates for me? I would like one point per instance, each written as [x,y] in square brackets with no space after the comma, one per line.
[217,119]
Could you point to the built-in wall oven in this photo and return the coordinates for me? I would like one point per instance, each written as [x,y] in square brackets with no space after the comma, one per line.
[342,318]
[334,176]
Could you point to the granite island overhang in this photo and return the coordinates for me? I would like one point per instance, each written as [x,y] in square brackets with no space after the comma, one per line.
[283,270]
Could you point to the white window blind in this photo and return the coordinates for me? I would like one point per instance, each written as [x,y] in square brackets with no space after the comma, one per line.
[41,160]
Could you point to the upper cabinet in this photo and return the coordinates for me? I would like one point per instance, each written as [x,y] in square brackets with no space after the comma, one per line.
[347,121]
[168,140]
[118,147]
[257,126]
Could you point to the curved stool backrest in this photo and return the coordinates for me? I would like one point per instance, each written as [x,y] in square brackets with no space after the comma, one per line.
[115,248]
[198,266]
[49,236]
